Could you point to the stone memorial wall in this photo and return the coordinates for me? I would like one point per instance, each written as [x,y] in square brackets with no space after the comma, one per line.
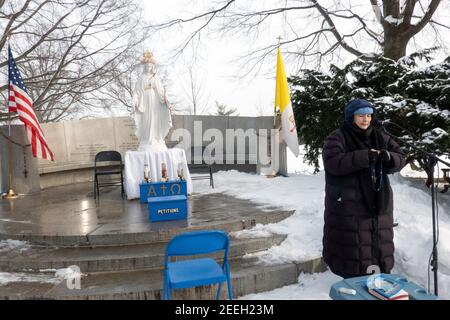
[75,143]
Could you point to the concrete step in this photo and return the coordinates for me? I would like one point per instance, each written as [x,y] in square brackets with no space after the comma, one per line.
[248,276]
[113,258]
[125,234]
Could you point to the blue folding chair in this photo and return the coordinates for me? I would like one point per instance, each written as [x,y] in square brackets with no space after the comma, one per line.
[200,271]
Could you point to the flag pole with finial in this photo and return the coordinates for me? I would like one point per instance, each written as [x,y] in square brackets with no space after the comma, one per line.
[276,126]
[279,46]
[275,110]
[11,194]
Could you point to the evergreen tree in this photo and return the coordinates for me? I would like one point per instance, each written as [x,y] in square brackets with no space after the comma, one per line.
[223,110]
[416,98]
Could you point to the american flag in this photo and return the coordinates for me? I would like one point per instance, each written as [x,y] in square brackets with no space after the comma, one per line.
[20,102]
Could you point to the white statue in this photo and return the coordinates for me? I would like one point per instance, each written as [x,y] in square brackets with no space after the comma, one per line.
[152,111]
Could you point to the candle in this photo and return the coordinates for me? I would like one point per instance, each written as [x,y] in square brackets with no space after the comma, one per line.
[164,172]
[180,172]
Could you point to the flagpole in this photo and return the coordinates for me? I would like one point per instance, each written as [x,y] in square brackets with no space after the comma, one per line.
[277,128]
[11,194]
[279,46]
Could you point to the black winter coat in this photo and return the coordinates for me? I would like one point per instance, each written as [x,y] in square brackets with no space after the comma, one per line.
[358,230]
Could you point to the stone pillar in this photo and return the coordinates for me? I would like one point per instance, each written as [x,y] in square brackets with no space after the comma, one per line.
[278,155]
[23,183]
[3,161]
[283,170]
[2,184]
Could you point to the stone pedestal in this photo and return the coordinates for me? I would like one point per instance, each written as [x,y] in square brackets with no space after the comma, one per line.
[277,159]
[2,185]
[22,160]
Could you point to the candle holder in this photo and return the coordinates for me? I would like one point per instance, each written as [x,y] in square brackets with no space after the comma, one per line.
[146,173]
[180,173]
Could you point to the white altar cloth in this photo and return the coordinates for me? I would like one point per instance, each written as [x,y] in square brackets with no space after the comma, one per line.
[134,168]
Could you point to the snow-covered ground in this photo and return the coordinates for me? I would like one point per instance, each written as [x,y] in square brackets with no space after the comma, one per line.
[310,287]
[6,277]
[304,193]
[9,245]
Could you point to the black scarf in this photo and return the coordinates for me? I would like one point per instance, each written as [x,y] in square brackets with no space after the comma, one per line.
[358,139]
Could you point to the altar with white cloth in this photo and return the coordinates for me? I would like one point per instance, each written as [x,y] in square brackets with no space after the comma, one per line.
[134,168]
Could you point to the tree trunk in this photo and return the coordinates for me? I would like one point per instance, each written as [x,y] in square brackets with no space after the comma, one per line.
[395,44]
[398,32]
[394,47]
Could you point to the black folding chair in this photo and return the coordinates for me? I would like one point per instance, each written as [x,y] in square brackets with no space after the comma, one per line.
[446,179]
[115,167]
[203,171]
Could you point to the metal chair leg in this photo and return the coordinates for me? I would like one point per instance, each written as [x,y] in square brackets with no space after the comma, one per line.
[121,184]
[218,291]
[95,187]
[227,270]
[164,292]
[211,182]
[98,189]
[230,292]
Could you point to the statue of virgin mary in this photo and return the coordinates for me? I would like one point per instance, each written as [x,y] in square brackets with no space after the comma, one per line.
[152,112]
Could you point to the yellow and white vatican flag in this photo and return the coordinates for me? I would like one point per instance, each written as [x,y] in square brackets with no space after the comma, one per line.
[283,102]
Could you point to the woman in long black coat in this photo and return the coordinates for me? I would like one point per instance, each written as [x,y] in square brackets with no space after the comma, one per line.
[358,231]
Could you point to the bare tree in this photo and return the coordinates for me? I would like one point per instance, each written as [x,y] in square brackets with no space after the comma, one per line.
[195,92]
[68,50]
[119,91]
[261,110]
[315,29]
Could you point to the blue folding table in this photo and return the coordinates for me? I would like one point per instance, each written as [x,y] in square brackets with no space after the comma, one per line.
[358,284]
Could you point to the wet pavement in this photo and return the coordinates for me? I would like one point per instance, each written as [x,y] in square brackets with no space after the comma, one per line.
[72,212]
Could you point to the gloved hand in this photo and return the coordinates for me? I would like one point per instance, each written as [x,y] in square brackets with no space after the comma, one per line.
[373,155]
[385,156]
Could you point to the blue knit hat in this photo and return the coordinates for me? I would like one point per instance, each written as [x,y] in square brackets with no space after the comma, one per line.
[358,106]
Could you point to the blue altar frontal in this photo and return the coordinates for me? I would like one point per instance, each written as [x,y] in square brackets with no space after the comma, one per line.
[166,200]
[162,189]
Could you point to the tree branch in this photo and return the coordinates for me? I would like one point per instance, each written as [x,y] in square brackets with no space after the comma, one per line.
[391,8]
[335,32]
[439,24]
[426,18]
[68,50]
[408,11]
[45,35]
[178,21]
[370,32]
[11,21]
[377,11]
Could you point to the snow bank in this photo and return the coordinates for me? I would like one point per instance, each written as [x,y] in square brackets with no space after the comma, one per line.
[310,287]
[6,278]
[305,194]
[11,245]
